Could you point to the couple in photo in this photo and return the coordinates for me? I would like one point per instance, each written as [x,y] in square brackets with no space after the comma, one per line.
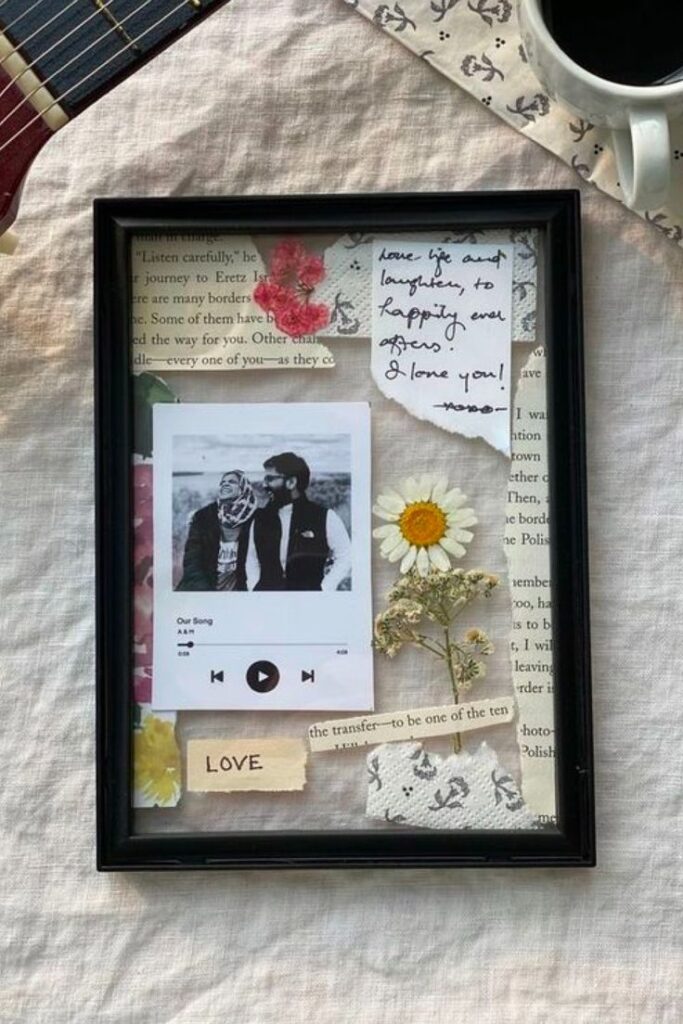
[292,543]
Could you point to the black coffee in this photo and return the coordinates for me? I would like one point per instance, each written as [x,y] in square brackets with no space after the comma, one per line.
[635,42]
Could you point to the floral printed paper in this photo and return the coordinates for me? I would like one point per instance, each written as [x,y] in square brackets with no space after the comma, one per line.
[408,785]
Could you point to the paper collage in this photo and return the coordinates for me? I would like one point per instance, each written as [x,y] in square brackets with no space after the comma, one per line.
[252,527]
[193,308]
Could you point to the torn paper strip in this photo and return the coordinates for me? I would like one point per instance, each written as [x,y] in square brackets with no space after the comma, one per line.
[192,309]
[527,547]
[441,334]
[408,785]
[443,720]
[347,288]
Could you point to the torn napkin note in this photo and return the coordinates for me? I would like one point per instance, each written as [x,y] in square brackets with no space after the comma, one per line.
[347,288]
[408,785]
[442,334]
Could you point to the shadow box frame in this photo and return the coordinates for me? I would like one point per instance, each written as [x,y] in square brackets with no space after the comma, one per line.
[557,215]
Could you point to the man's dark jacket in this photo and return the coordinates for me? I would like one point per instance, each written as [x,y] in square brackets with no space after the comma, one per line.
[307,551]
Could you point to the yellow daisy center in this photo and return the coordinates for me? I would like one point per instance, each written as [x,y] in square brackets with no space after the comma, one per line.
[422,523]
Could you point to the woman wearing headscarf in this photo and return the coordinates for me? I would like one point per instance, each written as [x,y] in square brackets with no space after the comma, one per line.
[216,547]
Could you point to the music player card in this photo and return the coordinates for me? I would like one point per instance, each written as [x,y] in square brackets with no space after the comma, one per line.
[262,590]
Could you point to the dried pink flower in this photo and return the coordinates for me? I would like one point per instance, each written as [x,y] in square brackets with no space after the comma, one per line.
[271,296]
[292,320]
[286,258]
[311,271]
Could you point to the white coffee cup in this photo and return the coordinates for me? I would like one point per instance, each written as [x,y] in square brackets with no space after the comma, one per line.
[638,115]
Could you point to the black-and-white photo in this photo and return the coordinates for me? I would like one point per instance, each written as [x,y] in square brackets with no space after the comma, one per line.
[262,512]
[262,591]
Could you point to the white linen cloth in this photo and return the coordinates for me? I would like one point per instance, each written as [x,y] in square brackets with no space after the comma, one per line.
[302,97]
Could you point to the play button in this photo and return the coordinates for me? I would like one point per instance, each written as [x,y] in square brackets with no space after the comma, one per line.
[263,676]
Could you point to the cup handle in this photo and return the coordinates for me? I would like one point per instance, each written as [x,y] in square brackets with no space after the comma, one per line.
[643,153]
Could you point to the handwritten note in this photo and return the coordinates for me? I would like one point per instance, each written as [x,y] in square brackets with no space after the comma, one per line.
[347,288]
[192,309]
[241,765]
[367,730]
[527,550]
[442,334]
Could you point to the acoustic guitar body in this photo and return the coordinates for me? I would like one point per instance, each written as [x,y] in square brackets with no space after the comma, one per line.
[31,135]
[58,58]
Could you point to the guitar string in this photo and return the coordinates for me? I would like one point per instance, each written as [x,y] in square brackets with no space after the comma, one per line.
[63,67]
[87,77]
[63,39]
[23,14]
[37,31]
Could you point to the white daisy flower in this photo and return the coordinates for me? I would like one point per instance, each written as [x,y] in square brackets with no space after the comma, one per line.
[425,524]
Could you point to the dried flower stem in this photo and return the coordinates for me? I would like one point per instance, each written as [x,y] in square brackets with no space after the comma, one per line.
[457,741]
[438,597]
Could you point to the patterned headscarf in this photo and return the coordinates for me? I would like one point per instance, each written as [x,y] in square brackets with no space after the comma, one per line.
[235,512]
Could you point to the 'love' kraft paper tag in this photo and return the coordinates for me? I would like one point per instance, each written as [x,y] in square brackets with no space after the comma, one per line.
[240,765]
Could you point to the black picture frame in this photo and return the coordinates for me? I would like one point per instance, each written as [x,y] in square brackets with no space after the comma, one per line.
[557,214]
